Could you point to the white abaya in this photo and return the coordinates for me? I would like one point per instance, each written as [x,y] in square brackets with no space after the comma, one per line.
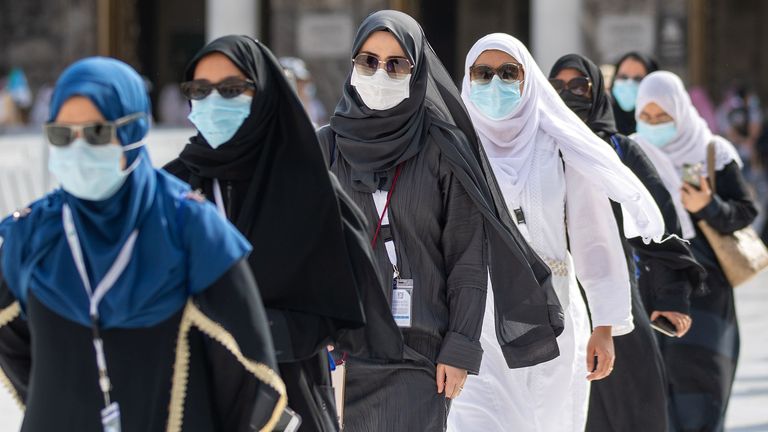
[553,396]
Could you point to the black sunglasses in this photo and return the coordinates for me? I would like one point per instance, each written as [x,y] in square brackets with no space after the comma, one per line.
[228,88]
[508,72]
[579,86]
[97,133]
[396,67]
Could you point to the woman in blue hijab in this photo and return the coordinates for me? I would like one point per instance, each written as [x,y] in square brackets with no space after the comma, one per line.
[126,302]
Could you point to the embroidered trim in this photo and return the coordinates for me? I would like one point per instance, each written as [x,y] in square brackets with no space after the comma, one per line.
[195,317]
[6,316]
[559,268]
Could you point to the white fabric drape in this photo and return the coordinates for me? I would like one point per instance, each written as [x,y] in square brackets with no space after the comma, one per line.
[509,141]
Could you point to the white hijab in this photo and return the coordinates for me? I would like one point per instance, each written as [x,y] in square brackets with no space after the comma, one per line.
[542,115]
[688,146]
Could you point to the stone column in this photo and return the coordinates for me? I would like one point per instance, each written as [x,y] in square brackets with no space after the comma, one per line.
[224,17]
[555,30]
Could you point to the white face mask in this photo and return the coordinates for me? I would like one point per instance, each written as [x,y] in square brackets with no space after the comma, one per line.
[379,91]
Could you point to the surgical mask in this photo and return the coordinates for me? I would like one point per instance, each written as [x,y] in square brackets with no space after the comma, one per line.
[625,93]
[659,134]
[218,118]
[380,92]
[496,99]
[578,104]
[90,172]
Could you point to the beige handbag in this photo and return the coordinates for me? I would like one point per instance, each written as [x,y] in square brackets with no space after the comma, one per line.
[742,255]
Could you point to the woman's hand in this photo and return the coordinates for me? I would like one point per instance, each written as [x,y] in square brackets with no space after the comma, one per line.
[451,380]
[694,199]
[682,322]
[601,346]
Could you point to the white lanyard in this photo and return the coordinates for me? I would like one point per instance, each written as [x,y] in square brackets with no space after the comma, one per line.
[95,297]
[218,198]
[114,273]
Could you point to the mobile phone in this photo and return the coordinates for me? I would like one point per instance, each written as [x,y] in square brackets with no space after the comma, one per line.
[289,421]
[692,174]
[664,326]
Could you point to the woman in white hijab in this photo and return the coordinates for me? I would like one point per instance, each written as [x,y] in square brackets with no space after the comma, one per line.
[556,177]
[700,365]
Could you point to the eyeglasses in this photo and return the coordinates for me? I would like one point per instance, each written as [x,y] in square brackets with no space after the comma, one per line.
[579,86]
[97,133]
[627,77]
[228,88]
[396,67]
[508,72]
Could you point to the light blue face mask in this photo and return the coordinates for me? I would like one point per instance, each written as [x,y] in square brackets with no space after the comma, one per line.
[90,172]
[218,118]
[497,99]
[659,134]
[625,93]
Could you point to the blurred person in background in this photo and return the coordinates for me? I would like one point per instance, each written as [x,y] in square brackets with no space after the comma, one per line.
[630,70]
[306,89]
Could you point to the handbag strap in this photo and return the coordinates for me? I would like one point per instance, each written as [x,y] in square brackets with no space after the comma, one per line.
[711,165]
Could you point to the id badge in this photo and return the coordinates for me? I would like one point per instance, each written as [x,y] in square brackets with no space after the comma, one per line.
[110,418]
[402,303]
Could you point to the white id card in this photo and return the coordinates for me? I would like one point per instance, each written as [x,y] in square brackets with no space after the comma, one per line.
[402,305]
[110,418]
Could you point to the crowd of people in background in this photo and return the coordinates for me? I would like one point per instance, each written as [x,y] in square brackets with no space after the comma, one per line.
[524,251]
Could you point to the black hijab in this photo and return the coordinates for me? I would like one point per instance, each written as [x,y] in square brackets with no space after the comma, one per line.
[286,205]
[529,316]
[600,117]
[372,141]
[625,120]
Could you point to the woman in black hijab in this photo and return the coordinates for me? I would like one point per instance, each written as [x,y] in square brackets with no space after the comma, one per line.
[257,158]
[630,70]
[665,273]
[403,147]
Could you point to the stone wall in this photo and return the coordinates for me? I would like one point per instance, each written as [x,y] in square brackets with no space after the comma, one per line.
[44,36]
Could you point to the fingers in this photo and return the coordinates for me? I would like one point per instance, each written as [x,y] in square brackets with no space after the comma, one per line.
[604,366]
[704,184]
[590,359]
[440,378]
[655,315]
[686,322]
[451,386]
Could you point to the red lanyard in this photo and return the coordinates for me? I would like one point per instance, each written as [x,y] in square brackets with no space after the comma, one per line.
[386,206]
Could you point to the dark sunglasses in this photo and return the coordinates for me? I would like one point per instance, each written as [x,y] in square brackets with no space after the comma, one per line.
[579,86]
[396,67]
[98,133]
[508,72]
[228,88]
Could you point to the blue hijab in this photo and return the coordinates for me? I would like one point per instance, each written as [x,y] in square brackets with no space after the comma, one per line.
[183,244]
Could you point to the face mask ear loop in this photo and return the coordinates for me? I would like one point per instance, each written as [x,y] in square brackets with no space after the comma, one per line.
[135,163]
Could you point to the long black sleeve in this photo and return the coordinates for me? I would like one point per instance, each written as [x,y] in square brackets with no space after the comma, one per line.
[731,208]
[464,252]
